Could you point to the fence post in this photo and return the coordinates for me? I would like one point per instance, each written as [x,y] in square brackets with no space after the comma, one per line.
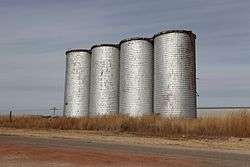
[10,116]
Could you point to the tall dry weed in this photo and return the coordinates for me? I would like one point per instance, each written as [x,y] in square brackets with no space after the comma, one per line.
[235,125]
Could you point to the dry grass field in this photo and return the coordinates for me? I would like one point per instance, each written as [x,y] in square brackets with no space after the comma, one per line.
[125,141]
[231,125]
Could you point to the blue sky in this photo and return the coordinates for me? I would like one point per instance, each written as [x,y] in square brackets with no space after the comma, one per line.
[35,34]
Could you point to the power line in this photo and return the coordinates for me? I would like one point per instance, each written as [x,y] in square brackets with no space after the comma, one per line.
[54,109]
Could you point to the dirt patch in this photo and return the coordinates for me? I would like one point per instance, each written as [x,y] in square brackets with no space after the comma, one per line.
[22,155]
[242,144]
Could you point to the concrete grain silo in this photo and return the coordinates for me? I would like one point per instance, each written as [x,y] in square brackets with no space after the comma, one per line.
[104,80]
[76,96]
[175,74]
[136,77]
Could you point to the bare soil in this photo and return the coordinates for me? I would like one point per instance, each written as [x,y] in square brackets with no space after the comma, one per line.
[57,148]
[232,143]
[28,156]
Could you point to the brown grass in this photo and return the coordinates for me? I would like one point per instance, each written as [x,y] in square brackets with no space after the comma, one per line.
[231,125]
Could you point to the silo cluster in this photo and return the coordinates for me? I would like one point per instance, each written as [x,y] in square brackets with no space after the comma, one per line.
[137,77]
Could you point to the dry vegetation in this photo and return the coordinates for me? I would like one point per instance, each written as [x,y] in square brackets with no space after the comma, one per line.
[232,125]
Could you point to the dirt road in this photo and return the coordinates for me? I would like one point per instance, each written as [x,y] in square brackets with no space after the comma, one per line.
[29,151]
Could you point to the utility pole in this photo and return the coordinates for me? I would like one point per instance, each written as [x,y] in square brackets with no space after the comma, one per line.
[54,110]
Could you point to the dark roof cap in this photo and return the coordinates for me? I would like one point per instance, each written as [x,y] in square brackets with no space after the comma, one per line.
[77,50]
[175,31]
[105,44]
[135,38]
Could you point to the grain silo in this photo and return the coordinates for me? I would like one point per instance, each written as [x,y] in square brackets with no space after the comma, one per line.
[175,74]
[76,96]
[104,80]
[136,77]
